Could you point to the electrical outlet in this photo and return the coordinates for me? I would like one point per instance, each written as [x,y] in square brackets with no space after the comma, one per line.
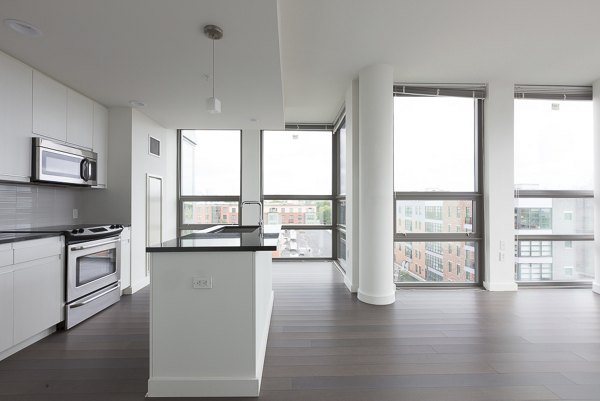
[202,282]
[75,213]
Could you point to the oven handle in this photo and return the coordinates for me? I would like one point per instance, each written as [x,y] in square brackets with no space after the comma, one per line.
[87,301]
[79,248]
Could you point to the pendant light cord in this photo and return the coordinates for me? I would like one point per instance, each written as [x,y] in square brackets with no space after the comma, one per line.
[213,70]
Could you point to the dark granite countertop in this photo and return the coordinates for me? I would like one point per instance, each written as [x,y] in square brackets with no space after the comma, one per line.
[223,238]
[7,238]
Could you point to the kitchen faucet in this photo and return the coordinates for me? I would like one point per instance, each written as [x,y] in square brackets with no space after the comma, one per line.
[259,203]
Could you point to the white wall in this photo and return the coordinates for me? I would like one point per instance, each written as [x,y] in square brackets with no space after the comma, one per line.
[352,188]
[143,163]
[498,189]
[596,91]
[112,205]
[124,201]
[251,168]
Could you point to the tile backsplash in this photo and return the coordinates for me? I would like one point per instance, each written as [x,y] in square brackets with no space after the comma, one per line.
[25,206]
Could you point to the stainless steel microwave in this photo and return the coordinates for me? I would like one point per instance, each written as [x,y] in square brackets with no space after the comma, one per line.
[57,163]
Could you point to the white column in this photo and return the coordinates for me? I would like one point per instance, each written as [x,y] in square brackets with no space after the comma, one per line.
[376,163]
[352,188]
[498,187]
[596,285]
[250,174]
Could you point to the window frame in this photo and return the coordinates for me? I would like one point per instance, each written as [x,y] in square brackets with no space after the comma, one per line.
[476,215]
[181,199]
[550,194]
[331,198]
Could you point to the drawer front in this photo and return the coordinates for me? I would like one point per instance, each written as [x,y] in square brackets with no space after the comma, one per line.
[26,251]
[6,255]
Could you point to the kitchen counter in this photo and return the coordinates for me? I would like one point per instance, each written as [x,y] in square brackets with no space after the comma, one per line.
[211,297]
[10,237]
[224,238]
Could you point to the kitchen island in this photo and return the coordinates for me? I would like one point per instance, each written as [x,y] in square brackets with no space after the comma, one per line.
[211,299]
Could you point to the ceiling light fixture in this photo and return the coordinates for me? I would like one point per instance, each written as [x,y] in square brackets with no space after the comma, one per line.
[22,27]
[136,103]
[213,32]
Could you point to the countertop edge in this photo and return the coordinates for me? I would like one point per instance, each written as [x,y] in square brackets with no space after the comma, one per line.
[25,237]
[213,249]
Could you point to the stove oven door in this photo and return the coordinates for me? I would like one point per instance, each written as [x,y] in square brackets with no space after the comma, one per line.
[92,266]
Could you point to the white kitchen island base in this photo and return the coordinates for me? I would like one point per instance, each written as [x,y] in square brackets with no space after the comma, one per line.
[209,342]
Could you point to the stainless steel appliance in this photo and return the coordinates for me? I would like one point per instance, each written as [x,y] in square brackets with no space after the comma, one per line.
[57,163]
[93,271]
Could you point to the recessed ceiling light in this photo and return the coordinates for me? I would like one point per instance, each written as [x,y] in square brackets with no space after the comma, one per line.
[136,103]
[22,27]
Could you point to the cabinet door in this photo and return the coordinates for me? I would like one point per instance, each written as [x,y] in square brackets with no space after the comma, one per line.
[15,119]
[101,142]
[38,296]
[80,119]
[125,259]
[49,107]
[6,310]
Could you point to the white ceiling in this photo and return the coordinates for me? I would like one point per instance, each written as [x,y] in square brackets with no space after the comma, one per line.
[295,63]
[154,51]
[325,43]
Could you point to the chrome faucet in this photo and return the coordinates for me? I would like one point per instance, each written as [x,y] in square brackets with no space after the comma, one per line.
[259,203]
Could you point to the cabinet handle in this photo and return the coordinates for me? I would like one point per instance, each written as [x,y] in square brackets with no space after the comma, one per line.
[87,301]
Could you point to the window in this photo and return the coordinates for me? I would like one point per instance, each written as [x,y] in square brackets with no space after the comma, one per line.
[340,230]
[446,186]
[534,218]
[209,181]
[298,191]
[443,127]
[297,162]
[553,184]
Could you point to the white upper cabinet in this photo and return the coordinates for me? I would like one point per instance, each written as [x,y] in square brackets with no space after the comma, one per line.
[101,142]
[80,119]
[15,119]
[49,107]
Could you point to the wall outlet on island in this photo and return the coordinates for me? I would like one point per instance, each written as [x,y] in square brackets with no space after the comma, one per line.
[202,282]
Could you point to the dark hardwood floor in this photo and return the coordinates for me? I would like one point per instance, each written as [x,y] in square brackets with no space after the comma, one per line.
[450,345]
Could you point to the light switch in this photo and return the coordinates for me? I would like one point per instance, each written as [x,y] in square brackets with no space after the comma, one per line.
[202,282]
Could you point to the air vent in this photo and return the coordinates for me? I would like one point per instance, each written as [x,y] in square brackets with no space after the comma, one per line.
[154,146]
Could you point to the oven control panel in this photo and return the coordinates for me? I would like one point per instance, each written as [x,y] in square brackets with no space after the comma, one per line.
[79,234]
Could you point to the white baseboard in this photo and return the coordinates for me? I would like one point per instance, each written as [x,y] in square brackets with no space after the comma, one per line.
[506,286]
[351,287]
[198,387]
[138,285]
[385,299]
[596,287]
[26,343]
[262,349]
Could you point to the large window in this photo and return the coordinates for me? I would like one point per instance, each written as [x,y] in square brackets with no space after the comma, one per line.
[437,139]
[553,184]
[209,184]
[298,191]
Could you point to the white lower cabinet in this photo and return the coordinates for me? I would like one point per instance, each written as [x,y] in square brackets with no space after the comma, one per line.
[6,310]
[125,258]
[38,296]
[32,291]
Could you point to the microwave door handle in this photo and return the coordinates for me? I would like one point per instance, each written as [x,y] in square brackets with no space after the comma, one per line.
[84,168]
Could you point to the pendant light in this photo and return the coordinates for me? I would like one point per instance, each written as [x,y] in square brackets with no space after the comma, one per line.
[213,32]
